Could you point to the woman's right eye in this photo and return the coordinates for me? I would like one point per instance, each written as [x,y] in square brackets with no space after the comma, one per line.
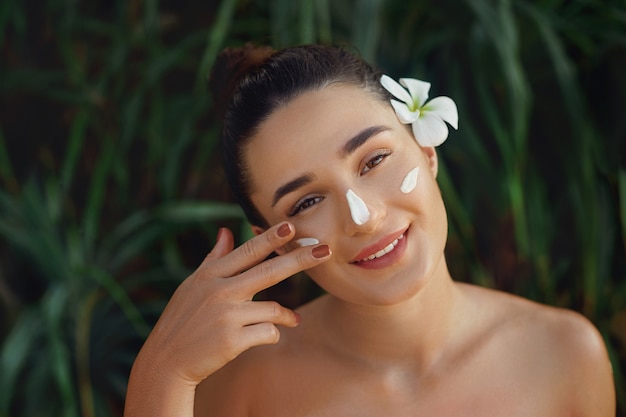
[304,204]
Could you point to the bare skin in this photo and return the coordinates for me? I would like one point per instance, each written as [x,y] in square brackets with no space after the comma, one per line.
[185,347]
[538,362]
[394,336]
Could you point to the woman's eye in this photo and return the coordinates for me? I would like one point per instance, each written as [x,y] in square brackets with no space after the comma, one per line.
[304,204]
[374,161]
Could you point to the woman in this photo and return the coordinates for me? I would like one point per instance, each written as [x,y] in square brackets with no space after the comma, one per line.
[342,184]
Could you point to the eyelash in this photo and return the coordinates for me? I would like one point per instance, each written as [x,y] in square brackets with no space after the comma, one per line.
[377,158]
[308,202]
[304,204]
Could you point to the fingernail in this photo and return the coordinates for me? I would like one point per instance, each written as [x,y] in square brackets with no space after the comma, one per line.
[298,317]
[321,251]
[220,233]
[284,230]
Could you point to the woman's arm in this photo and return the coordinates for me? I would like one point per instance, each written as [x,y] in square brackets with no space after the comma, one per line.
[211,319]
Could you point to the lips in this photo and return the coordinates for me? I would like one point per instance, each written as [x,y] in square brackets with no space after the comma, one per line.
[383,251]
[381,248]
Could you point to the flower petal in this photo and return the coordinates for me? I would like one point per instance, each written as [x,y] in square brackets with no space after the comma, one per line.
[396,89]
[445,108]
[418,89]
[405,115]
[430,130]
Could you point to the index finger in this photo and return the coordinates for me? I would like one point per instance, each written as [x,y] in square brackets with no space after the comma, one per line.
[253,251]
[277,269]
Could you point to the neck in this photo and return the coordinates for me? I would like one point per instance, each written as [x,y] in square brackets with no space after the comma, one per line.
[415,331]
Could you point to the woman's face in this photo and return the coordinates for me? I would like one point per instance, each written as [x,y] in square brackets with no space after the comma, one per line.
[333,162]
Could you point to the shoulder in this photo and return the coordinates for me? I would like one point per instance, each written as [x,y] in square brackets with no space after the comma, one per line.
[559,326]
[578,354]
[249,381]
[563,335]
[560,348]
[561,332]
[223,393]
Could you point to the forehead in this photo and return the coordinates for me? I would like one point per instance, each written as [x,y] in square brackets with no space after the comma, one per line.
[330,111]
[311,129]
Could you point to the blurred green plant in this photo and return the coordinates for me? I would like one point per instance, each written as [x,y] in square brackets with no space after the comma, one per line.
[112,189]
[532,181]
[93,226]
[62,344]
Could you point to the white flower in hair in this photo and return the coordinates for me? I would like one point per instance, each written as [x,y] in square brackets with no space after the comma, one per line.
[427,119]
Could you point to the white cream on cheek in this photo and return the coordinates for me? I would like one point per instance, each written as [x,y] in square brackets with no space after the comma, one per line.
[410,181]
[307,241]
[358,209]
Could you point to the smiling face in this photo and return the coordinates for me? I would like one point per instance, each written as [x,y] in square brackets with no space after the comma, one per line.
[310,159]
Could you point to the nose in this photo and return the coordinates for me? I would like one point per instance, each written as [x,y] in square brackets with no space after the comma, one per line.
[364,215]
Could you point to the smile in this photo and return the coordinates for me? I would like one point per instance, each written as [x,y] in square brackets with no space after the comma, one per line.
[390,247]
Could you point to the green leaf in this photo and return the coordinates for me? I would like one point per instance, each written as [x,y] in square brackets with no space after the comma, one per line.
[215,41]
[17,348]
[195,211]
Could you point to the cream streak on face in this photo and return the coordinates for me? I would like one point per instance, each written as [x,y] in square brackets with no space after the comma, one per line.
[307,241]
[410,181]
[358,208]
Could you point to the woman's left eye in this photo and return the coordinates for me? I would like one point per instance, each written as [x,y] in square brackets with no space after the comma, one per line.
[377,159]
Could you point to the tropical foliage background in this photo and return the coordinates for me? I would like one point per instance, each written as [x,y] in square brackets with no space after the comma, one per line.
[111,189]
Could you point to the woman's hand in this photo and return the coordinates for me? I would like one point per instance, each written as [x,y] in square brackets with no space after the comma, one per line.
[211,319]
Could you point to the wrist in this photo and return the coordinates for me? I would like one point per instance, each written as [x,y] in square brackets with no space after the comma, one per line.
[154,391]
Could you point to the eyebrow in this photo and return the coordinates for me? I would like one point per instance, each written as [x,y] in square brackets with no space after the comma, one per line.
[348,148]
[291,186]
[359,140]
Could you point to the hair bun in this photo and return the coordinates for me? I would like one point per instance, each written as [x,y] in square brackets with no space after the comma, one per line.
[231,65]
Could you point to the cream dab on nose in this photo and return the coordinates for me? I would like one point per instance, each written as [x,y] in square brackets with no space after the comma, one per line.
[358,209]
[410,181]
[307,241]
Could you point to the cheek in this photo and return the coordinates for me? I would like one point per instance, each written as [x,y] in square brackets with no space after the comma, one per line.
[412,185]
[405,176]
[313,230]
[321,228]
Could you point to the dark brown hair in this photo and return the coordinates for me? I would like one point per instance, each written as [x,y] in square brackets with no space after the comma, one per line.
[257,80]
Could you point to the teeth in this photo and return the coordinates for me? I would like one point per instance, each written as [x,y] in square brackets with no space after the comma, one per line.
[383,251]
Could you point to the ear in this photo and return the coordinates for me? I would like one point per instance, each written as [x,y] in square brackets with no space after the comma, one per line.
[259,230]
[256,230]
[431,155]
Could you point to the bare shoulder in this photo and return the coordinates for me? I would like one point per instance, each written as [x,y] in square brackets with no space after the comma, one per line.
[220,393]
[560,346]
[249,381]
[564,332]
[231,391]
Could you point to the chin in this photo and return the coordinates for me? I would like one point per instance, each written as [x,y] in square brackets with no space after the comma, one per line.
[387,292]
[397,293]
